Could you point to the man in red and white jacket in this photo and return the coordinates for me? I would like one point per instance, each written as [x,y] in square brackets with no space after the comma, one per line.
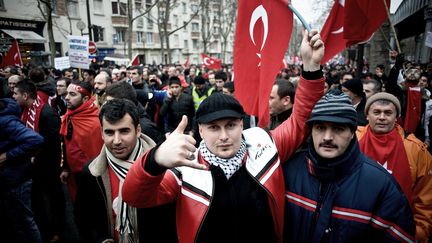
[231,188]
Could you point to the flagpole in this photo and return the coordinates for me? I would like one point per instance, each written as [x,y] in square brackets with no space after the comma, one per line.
[386,40]
[302,20]
[392,27]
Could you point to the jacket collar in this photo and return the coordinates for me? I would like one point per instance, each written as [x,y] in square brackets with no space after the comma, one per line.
[334,169]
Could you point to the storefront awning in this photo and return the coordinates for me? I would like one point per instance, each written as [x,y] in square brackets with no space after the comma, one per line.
[25,35]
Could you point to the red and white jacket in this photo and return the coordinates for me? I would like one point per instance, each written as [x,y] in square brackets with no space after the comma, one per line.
[192,189]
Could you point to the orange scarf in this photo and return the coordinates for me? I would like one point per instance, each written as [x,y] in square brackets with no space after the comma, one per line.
[389,151]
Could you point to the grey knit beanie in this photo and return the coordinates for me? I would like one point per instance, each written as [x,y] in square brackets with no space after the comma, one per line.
[383,96]
[335,107]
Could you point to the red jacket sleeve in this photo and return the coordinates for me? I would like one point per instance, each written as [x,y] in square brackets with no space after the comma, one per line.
[291,133]
[141,190]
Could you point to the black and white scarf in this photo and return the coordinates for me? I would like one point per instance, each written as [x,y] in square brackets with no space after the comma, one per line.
[126,219]
[228,166]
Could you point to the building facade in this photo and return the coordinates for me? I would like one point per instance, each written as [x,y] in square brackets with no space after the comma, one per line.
[192,28]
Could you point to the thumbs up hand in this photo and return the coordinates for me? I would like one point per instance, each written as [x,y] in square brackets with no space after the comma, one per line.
[178,149]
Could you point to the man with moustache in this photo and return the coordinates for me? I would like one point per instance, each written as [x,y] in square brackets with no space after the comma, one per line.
[334,193]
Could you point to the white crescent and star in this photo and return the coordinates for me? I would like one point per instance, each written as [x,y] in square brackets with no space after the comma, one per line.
[341,29]
[259,13]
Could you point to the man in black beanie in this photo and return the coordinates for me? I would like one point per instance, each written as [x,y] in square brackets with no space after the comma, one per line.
[175,105]
[334,193]
[354,89]
[200,91]
[230,189]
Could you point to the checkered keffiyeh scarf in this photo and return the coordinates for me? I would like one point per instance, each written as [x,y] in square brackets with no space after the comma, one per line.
[228,166]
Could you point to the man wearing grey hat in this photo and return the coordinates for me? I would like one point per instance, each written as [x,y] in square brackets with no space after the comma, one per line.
[334,193]
[231,188]
[403,155]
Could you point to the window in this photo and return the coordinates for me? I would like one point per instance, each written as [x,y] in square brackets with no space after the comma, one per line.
[186,44]
[140,36]
[148,4]
[176,40]
[119,9]
[98,6]
[140,22]
[119,36]
[114,7]
[195,27]
[149,24]
[54,6]
[184,7]
[194,8]
[175,21]
[149,38]
[72,8]
[138,4]
[2,6]
[195,44]
[185,26]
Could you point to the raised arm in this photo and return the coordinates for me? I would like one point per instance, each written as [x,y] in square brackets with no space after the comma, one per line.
[290,134]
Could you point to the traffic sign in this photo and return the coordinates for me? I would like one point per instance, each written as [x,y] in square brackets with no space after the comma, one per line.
[92,47]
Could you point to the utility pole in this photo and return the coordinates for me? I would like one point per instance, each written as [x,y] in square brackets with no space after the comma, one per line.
[89,21]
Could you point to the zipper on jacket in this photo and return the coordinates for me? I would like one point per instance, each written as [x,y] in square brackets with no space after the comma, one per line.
[323,190]
[207,211]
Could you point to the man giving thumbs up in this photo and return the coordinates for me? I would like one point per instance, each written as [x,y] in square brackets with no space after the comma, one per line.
[231,188]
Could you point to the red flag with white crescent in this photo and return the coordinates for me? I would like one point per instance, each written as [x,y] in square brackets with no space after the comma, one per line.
[13,56]
[262,35]
[332,33]
[211,62]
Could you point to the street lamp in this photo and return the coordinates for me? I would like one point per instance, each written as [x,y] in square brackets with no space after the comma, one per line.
[81,26]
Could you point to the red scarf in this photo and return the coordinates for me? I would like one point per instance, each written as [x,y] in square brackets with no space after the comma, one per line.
[413,110]
[389,151]
[86,131]
[31,115]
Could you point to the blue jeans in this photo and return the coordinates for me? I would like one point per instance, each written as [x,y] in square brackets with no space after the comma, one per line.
[16,214]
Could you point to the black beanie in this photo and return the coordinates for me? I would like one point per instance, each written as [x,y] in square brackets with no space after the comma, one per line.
[218,106]
[355,85]
[335,107]
[199,80]
[174,80]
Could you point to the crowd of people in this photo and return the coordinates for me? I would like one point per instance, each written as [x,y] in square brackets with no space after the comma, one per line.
[167,154]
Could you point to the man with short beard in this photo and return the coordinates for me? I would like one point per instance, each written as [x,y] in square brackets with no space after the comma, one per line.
[411,97]
[81,133]
[101,214]
[101,82]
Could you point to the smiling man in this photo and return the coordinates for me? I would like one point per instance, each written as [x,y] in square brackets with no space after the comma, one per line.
[403,155]
[334,193]
[101,215]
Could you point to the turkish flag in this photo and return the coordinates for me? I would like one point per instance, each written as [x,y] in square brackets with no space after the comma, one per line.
[211,62]
[13,56]
[332,33]
[135,61]
[262,35]
[187,63]
[362,19]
